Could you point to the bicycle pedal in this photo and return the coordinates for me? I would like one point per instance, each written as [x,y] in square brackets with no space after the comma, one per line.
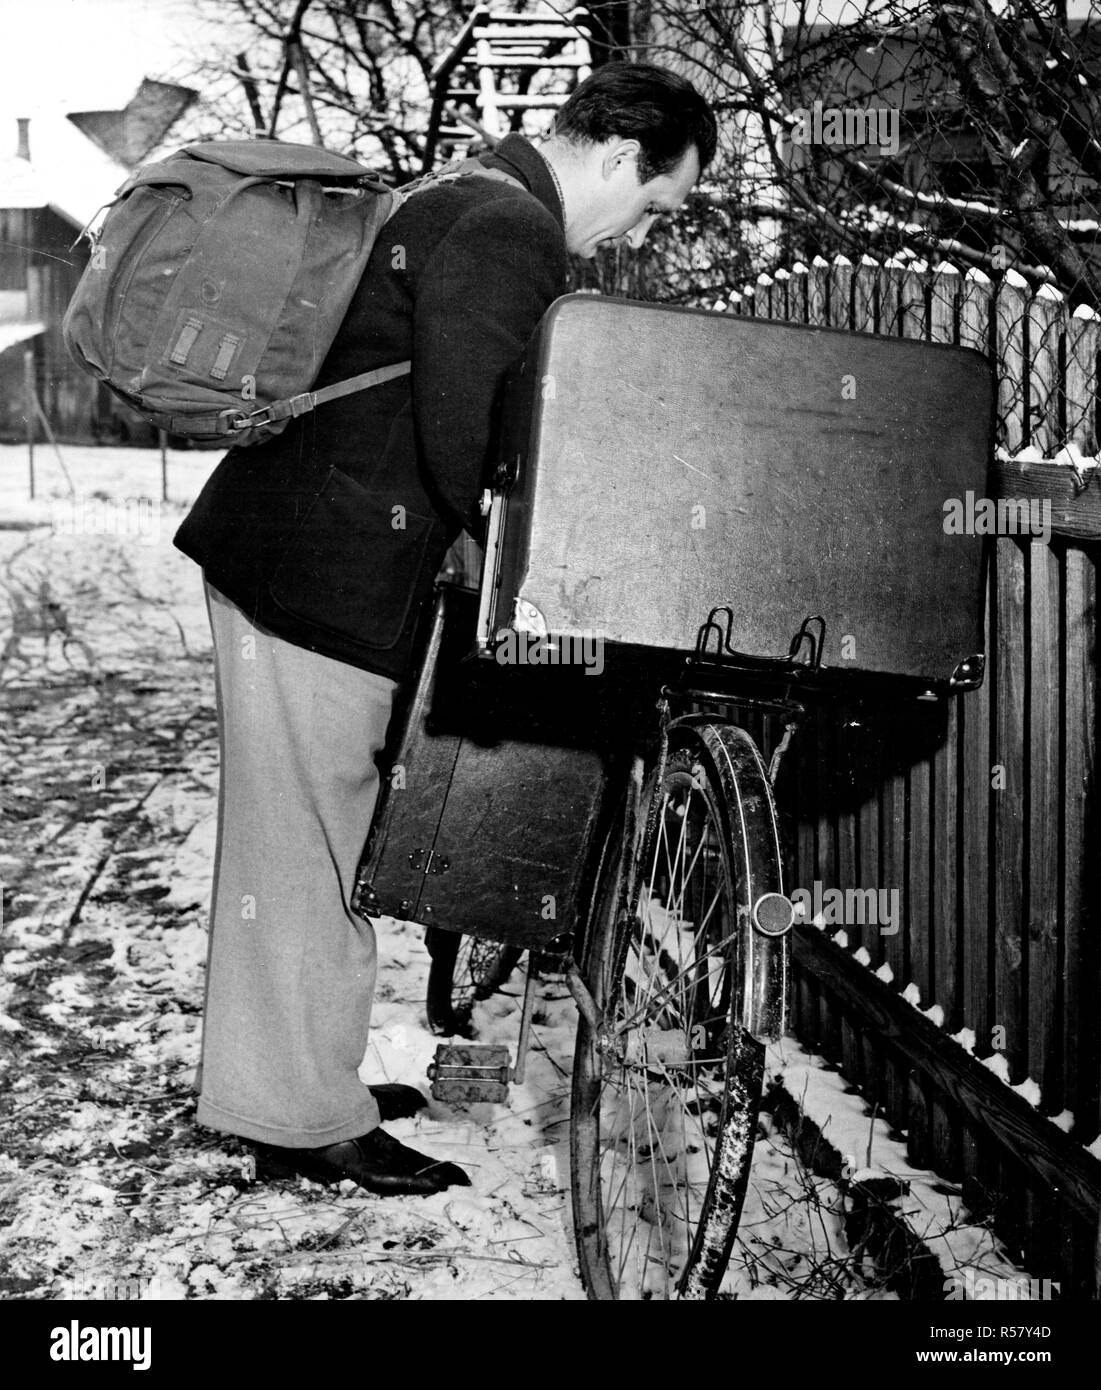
[470,1074]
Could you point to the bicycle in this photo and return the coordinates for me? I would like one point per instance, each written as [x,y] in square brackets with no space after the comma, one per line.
[680,970]
[658,848]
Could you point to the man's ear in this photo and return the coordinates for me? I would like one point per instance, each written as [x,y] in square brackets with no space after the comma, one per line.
[618,154]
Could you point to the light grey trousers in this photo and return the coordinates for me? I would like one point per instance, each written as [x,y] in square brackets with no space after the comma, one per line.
[291,969]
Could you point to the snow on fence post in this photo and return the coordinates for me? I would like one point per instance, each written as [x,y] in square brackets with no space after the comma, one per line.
[780,288]
[913,318]
[975,312]
[1046,325]
[763,296]
[798,289]
[1010,318]
[1080,381]
[865,283]
[890,297]
[817,291]
[943,295]
[840,281]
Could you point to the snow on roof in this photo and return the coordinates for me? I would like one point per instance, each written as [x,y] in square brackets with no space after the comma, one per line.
[66,170]
[12,333]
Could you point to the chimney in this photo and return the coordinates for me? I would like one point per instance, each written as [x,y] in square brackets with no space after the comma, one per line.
[23,147]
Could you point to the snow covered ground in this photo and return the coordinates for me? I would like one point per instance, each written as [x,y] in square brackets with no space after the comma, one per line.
[107,1186]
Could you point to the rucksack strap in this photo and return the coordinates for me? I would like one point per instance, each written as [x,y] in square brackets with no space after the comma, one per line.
[457,169]
[310,400]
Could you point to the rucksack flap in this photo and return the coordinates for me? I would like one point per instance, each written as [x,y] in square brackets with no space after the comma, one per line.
[279,159]
[212,294]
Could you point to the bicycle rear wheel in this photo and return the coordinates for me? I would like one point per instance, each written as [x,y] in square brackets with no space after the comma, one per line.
[464,970]
[666,1093]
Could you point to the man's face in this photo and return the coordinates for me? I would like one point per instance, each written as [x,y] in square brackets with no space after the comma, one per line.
[613,204]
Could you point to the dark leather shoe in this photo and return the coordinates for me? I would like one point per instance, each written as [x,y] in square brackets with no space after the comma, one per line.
[376,1161]
[397,1102]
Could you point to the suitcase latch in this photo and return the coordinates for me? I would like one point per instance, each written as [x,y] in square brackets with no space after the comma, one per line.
[429,862]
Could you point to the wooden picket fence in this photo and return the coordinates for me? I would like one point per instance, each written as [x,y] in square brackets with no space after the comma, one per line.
[975,1029]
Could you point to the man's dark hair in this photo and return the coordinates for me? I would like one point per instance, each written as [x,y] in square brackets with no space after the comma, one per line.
[639,101]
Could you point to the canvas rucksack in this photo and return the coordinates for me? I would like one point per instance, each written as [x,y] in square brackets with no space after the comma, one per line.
[219,279]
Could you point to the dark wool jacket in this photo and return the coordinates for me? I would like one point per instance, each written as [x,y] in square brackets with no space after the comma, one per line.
[303,532]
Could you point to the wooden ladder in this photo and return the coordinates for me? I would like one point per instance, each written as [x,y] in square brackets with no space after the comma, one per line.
[483,86]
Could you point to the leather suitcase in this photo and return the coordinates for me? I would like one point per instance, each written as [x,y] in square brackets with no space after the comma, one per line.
[491,788]
[658,462]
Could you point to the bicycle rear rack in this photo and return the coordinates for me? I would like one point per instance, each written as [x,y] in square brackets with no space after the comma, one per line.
[741,678]
[811,633]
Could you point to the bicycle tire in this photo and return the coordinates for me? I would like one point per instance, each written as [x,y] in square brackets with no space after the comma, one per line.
[464,971]
[672,1051]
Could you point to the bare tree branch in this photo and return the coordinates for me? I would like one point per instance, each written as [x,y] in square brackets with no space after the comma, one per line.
[289,38]
[248,82]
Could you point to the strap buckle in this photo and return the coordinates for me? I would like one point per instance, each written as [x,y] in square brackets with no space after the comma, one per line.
[233,421]
[238,420]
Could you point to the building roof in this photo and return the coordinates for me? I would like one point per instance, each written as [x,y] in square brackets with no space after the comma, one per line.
[78,161]
[131,134]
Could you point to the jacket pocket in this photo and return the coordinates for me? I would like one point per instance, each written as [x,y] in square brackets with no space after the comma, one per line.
[349,568]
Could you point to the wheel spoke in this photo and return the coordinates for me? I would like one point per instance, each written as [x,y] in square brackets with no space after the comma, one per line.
[633,1020]
[657,1096]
